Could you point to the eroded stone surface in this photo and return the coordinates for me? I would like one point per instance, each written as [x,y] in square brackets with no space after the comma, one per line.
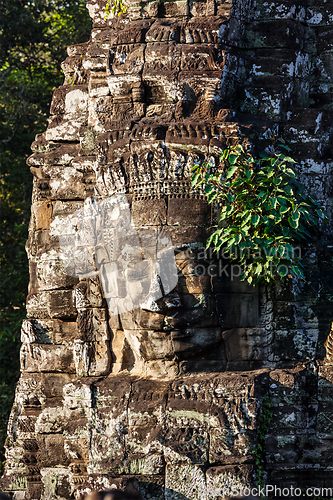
[165,399]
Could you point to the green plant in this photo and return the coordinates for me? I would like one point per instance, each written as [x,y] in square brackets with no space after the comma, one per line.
[118,7]
[264,420]
[264,209]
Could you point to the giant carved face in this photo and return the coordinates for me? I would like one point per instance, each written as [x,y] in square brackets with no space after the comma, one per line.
[152,110]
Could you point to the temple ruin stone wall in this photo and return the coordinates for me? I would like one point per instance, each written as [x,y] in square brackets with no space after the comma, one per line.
[166,398]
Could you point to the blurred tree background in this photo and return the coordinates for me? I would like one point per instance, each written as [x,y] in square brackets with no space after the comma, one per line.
[34,35]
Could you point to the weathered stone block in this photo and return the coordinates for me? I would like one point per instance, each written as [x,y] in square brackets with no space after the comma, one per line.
[151,487]
[41,215]
[60,304]
[92,358]
[45,358]
[246,344]
[113,393]
[60,154]
[325,383]
[153,344]
[148,464]
[140,319]
[188,444]
[148,398]
[64,332]
[282,449]
[78,393]
[107,450]
[184,212]
[227,447]
[68,100]
[65,128]
[51,450]
[238,310]
[34,490]
[143,440]
[34,331]
[93,325]
[51,273]
[149,212]
[53,420]
[194,340]
[185,481]
[37,305]
[229,480]
[324,424]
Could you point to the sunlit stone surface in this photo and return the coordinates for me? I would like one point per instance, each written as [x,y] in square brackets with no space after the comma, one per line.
[144,361]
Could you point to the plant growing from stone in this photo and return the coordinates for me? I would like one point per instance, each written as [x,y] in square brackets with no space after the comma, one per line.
[263,211]
[264,420]
[118,7]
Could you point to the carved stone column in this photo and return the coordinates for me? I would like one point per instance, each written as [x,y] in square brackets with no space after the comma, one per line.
[144,360]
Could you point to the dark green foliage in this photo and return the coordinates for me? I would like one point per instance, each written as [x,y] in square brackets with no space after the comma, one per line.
[33,40]
[264,211]
[264,420]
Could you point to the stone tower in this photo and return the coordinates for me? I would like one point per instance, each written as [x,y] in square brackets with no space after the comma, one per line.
[141,368]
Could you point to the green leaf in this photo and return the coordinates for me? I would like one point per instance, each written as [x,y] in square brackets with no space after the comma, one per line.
[273,202]
[284,210]
[285,147]
[231,197]
[289,160]
[230,241]
[291,172]
[282,200]
[247,215]
[293,223]
[255,219]
[229,210]
[282,270]
[290,250]
[195,179]
[233,158]
[321,214]
[208,188]
[262,195]
[285,231]
[240,148]
[289,190]
[295,215]
[231,171]
[210,240]
[212,197]
[298,271]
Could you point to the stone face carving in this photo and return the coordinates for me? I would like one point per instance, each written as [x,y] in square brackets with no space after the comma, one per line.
[145,360]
